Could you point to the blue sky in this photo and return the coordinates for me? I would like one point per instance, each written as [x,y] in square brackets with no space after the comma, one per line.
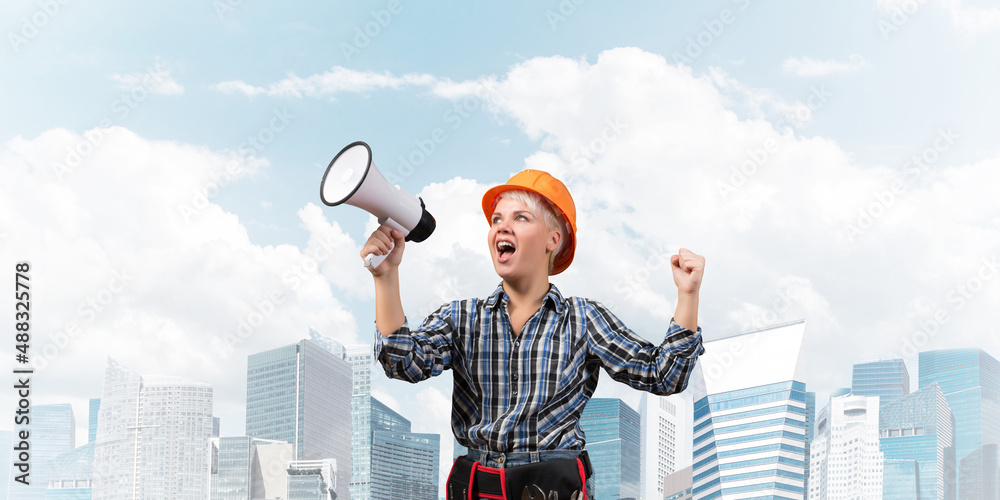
[646,109]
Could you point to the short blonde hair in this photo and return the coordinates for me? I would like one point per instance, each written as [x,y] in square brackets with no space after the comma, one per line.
[537,203]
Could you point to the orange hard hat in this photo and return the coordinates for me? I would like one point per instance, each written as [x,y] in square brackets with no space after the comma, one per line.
[553,190]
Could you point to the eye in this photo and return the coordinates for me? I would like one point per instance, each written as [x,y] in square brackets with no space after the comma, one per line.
[496,218]
[522,217]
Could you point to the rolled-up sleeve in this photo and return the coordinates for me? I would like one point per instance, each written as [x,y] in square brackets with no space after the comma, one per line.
[415,355]
[660,369]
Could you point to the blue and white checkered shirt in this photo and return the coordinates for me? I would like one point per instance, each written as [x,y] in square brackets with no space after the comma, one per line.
[526,392]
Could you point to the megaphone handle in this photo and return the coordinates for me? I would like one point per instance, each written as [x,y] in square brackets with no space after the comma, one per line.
[373,260]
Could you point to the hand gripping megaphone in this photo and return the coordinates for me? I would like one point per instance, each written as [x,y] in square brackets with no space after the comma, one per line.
[353,178]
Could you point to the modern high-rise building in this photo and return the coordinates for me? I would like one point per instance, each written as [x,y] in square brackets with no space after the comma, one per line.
[52,431]
[900,479]
[94,406]
[662,420]
[612,430]
[237,465]
[312,480]
[361,358]
[301,394]
[153,437]
[918,427]
[845,460]
[677,485]
[982,463]
[970,381]
[403,464]
[72,475]
[750,416]
[887,378]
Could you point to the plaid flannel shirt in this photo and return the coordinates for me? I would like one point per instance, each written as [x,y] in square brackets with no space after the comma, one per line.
[527,392]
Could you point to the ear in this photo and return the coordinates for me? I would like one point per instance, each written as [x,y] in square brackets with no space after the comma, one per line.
[553,242]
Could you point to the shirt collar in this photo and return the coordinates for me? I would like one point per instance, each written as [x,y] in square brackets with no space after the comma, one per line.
[553,297]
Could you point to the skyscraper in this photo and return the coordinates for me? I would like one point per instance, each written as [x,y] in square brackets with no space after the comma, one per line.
[72,474]
[404,465]
[888,379]
[301,394]
[661,444]
[846,461]
[153,437]
[612,431]
[750,416]
[94,407]
[52,431]
[918,427]
[237,463]
[970,381]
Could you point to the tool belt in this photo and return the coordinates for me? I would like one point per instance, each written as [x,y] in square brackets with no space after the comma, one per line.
[567,478]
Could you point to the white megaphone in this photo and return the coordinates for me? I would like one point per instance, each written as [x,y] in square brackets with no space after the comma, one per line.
[353,178]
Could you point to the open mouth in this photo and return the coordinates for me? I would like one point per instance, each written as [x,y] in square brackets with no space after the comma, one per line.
[505,250]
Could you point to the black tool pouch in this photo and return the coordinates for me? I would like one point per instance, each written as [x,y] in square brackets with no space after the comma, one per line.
[469,480]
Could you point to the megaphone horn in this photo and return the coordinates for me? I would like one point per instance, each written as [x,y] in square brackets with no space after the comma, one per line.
[352,178]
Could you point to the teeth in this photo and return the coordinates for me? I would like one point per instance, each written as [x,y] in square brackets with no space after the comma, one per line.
[503,245]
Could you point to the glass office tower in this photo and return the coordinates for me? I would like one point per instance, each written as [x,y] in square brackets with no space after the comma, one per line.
[153,437]
[888,379]
[970,380]
[750,416]
[611,428]
[845,460]
[52,431]
[919,427]
[404,465]
[301,394]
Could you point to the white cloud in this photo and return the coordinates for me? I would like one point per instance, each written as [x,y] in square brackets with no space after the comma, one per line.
[653,155]
[155,80]
[327,84]
[129,258]
[811,67]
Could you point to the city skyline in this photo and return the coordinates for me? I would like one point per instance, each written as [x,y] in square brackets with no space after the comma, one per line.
[927,375]
[161,170]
